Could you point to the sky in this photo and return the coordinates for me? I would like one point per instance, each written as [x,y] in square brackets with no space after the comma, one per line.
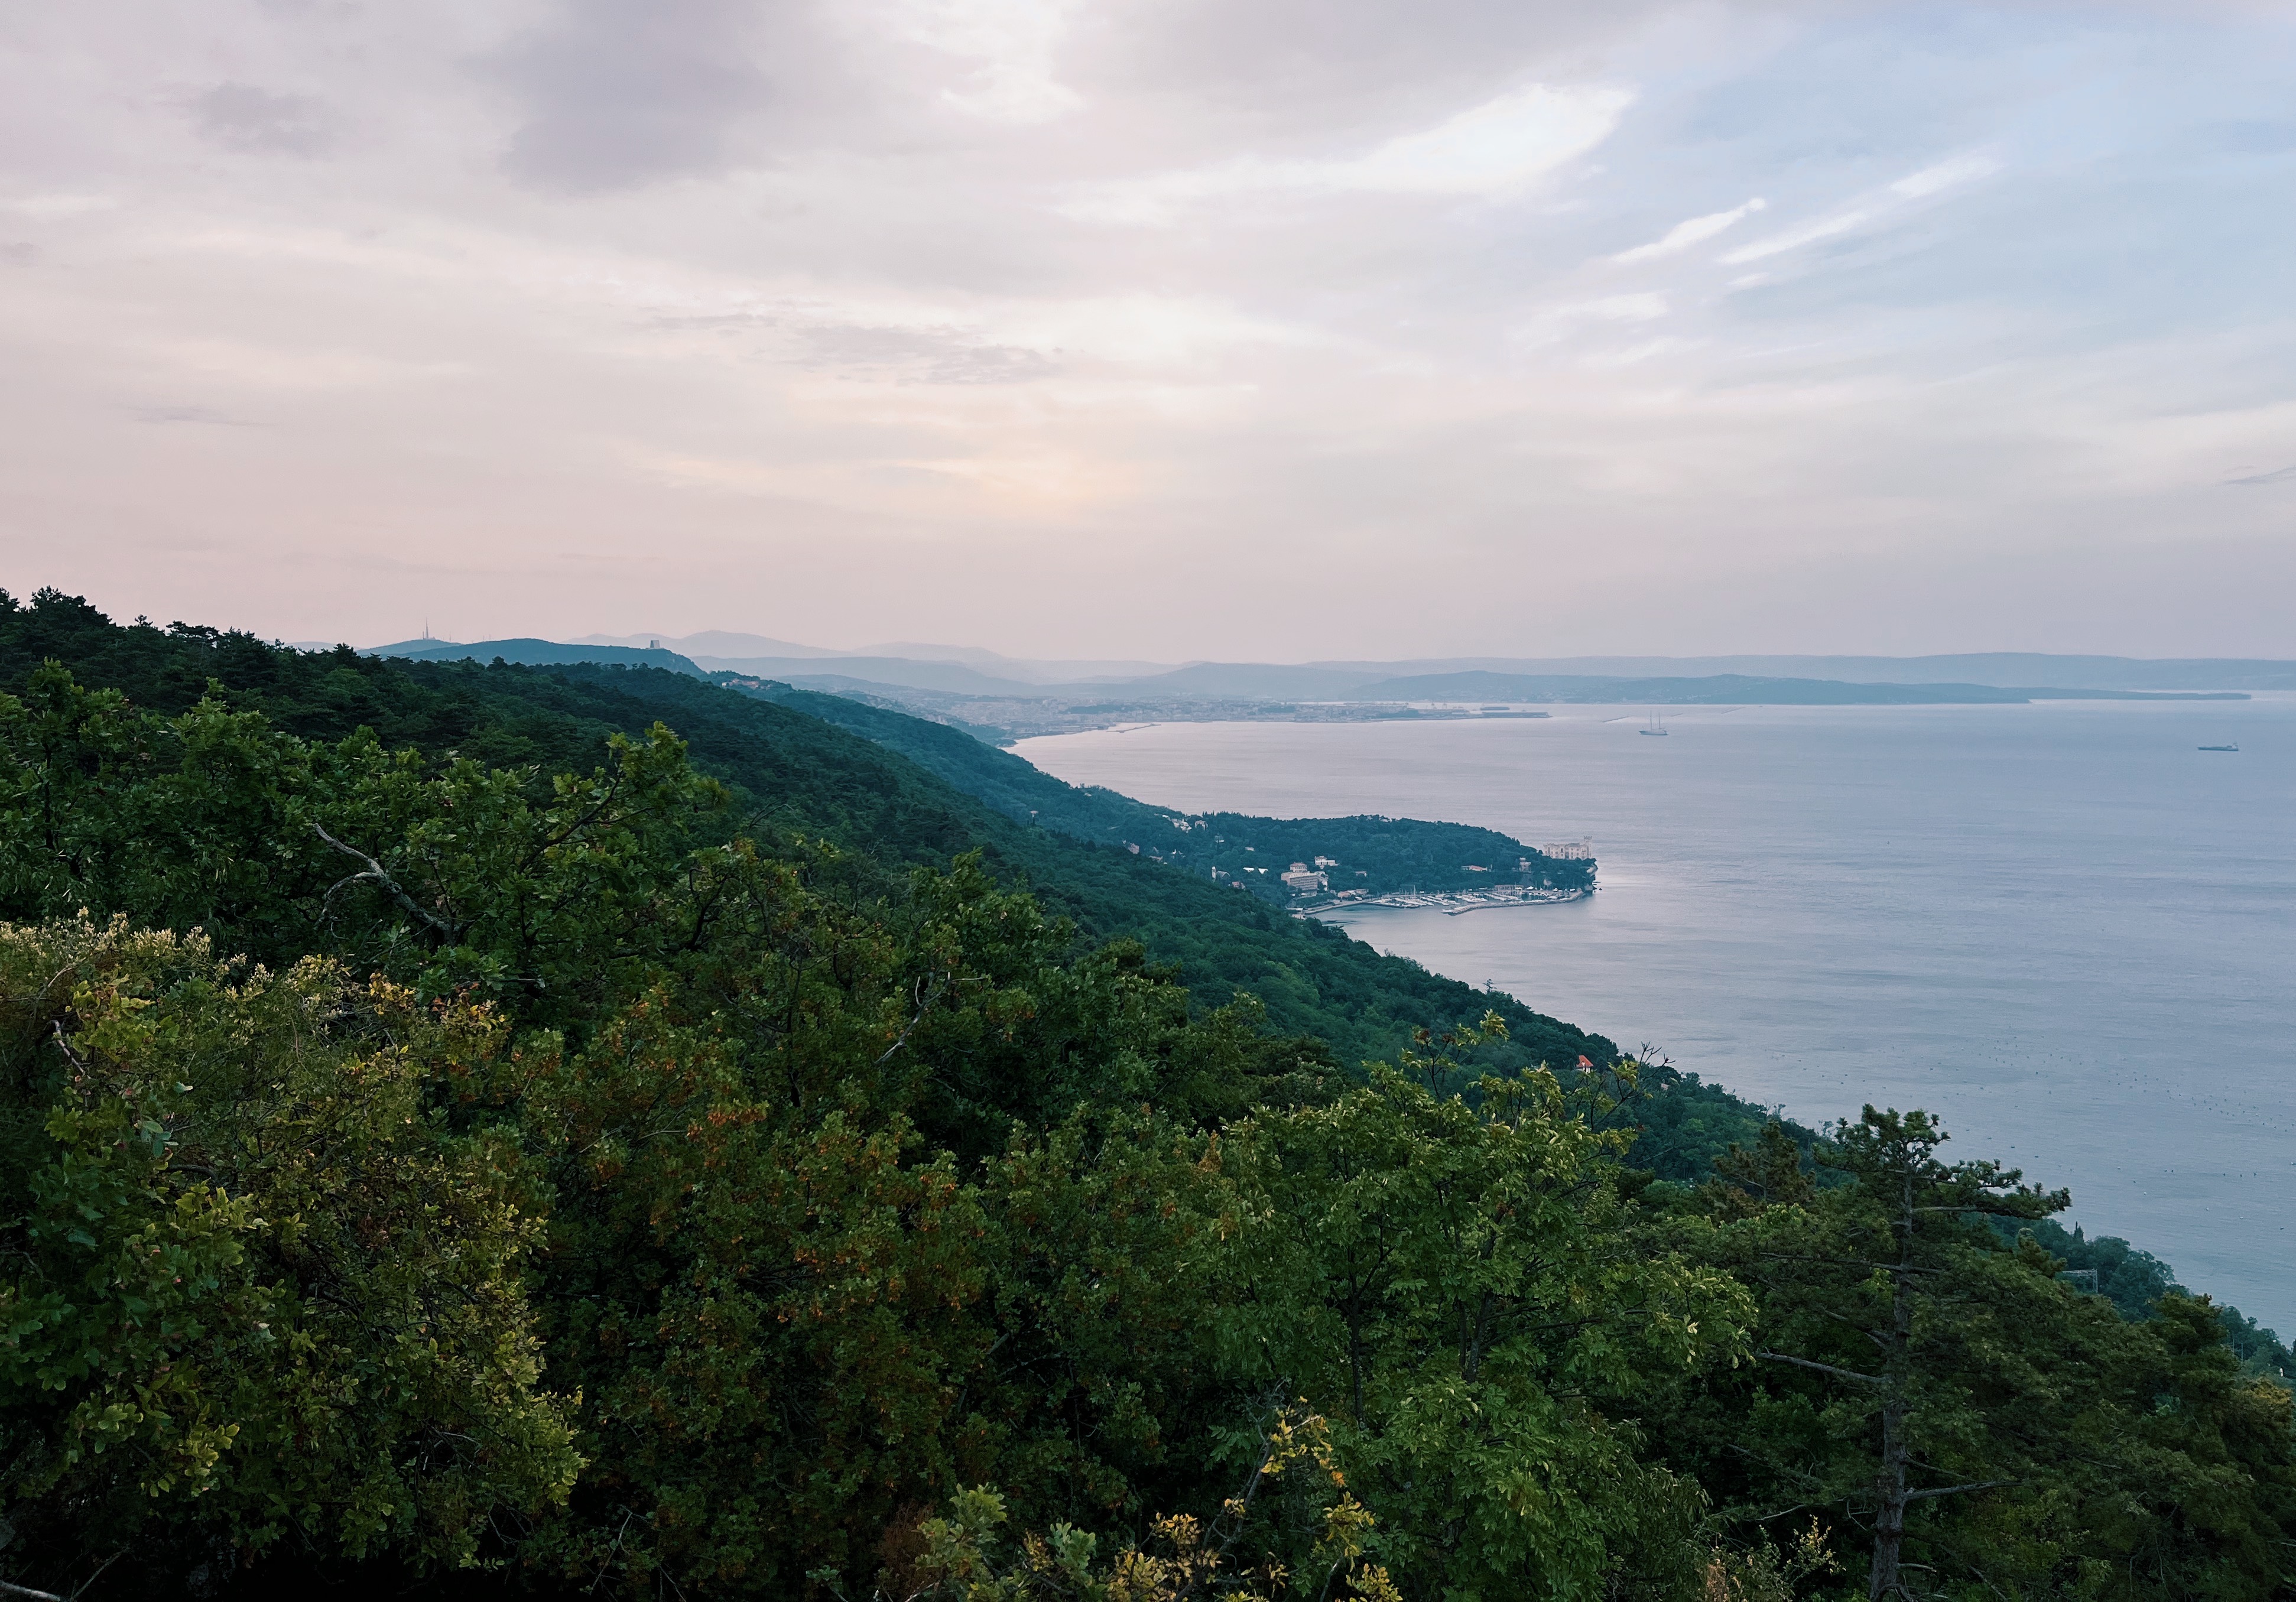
[1169,329]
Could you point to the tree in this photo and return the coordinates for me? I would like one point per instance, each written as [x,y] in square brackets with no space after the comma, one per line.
[1888,1289]
[256,1285]
[958,1561]
[1458,1285]
[1930,1388]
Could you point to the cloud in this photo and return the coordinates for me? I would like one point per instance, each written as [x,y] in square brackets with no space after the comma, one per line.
[1641,351]
[240,116]
[44,208]
[192,414]
[1583,319]
[1697,231]
[1915,186]
[1489,150]
[1945,175]
[824,251]
[1013,42]
[1621,308]
[620,93]
[919,356]
[1497,146]
[1794,239]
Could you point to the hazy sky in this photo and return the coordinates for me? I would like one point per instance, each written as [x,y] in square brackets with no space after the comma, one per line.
[1168,327]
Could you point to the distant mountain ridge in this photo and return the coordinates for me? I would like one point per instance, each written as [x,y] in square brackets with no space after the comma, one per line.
[538,653]
[884,672]
[2002,670]
[1730,689]
[749,653]
[970,671]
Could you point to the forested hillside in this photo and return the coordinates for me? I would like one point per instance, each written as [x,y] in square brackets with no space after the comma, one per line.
[1373,854]
[794,775]
[583,1131]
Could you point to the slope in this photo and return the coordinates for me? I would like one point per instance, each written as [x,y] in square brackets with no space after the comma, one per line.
[799,775]
[1371,854]
[537,653]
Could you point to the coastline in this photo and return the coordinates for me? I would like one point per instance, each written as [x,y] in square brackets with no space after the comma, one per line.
[2043,1008]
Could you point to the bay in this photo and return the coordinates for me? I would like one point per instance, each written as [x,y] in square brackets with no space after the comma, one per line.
[2062,926]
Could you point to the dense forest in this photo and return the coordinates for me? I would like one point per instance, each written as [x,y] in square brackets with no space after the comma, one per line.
[507,1129]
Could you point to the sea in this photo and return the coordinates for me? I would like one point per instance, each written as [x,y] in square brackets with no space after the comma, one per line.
[2062,926]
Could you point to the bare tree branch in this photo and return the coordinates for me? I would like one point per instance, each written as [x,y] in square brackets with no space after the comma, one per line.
[1803,1363]
[375,874]
[1914,1496]
[26,1591]
[925,998]
[1894,1268]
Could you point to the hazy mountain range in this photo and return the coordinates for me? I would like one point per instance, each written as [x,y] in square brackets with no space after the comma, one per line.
[953,670]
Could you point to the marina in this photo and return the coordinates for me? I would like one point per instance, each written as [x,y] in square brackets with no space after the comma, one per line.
[1451,901]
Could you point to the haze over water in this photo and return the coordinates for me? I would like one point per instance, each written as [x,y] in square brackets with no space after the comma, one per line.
[2062,926]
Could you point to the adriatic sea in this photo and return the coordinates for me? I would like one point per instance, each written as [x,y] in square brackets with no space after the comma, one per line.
[2062,926]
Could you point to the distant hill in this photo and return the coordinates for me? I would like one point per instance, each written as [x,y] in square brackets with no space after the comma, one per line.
[1978,679]
[1738,690]
[1059,672]
[891,671]
[717,643]
[2001,669]
[1974,678]
[721,646]
[1327,681]
[537,653]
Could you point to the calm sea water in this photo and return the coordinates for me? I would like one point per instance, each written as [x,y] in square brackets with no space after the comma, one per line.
[2061,926]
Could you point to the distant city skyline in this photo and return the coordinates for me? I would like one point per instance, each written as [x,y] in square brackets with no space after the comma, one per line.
[1255,330]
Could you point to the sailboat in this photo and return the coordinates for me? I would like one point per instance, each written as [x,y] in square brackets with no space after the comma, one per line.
[1653,726]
